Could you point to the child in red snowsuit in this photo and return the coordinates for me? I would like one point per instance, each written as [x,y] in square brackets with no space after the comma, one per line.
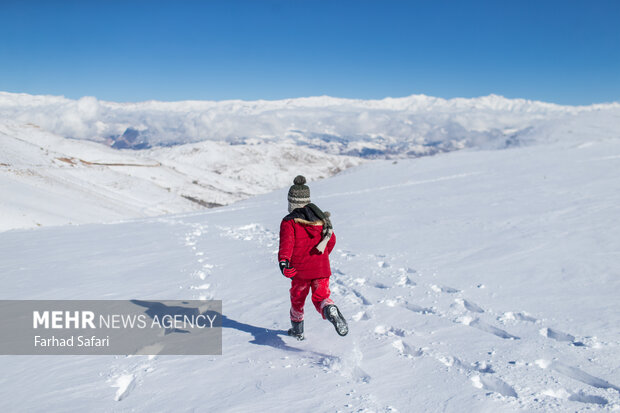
[306,240]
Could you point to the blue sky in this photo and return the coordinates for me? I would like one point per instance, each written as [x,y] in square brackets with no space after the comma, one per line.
[559,51]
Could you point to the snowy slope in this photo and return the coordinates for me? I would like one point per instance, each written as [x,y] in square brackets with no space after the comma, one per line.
[52,180]
[472,281]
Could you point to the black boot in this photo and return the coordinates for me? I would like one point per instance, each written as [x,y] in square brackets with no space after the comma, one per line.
[333,315]
[297,330]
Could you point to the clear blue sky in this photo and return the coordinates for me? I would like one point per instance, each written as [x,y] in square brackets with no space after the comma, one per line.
[560,51]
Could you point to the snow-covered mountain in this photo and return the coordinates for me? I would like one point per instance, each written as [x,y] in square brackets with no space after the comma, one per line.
[411,126]
[473,281]
[57,167]
[50,180]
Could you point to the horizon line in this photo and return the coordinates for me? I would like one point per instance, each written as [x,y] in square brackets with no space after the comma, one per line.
[422,95]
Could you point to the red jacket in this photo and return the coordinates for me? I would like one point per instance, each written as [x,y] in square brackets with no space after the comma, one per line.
[298,237]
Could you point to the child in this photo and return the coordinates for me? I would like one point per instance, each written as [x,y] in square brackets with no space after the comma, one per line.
[306,239]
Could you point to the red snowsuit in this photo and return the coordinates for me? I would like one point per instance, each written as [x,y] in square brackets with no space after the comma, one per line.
[298,239]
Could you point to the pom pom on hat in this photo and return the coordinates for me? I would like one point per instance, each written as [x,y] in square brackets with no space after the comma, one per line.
[298,194]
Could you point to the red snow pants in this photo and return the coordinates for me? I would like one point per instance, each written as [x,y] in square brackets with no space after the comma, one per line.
[299,291]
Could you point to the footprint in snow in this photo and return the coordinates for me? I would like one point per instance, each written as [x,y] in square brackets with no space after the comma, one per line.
[192,236]
[478,366]
[483,378]
[469,306]
[560,336]
[443,289]
[124,384]
[199,274]
[587,398]
[494,384]
[251,232]
[576,374]
[347,254]
[203,294]
[200,287]
[337,271]
[389,331]
[480,325]
[392,302]
[406,350]
[483,375]
[357,296]
[362,315]
[417,309]
[579,396]
[348,366]
[405,281]
[521,316]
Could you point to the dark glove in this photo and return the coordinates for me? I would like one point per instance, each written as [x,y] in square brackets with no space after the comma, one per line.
[287,269]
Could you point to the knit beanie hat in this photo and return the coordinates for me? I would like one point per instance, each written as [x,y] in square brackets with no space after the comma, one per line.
[298,194]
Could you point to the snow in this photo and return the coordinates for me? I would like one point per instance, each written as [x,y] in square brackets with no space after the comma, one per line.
[476,280]
[206,154]
[414,125]
[51,180]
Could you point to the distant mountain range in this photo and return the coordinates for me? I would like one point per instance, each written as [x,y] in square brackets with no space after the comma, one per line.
[76,161]
[393,127]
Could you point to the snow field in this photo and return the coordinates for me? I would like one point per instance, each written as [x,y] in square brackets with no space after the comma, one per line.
[471,281]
